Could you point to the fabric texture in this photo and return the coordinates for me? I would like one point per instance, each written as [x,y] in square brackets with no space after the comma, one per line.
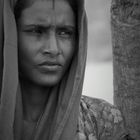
[100,120]
[60,116]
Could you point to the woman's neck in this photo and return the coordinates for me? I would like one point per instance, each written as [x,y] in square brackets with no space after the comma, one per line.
[34,100]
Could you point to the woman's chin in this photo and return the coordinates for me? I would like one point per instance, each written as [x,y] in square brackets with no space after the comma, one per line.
[47,81]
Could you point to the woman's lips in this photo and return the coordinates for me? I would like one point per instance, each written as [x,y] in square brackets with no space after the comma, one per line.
[50,66]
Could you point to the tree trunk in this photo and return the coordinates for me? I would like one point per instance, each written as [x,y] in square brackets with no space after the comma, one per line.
[125,23]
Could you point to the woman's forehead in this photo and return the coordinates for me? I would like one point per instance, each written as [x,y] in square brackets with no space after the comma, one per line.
[45,11]
[30,2]
[52,3]
[24,4]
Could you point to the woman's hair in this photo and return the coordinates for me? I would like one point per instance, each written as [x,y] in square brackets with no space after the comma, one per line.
[22,4]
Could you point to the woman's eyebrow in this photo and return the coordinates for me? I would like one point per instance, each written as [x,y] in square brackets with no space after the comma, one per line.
[66,26]
[34,25]
[72,27]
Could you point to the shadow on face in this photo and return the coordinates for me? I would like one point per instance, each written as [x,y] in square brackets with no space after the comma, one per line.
[46,32]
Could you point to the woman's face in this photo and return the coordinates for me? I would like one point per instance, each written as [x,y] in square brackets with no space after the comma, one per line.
[46,43]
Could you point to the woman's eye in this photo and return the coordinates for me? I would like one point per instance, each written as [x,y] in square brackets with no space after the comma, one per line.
[65,33]
[37,31]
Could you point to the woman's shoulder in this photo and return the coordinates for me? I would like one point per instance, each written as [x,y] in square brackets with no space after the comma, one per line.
[100,120]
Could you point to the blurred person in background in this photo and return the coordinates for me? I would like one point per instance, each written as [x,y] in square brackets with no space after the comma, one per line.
[43,56]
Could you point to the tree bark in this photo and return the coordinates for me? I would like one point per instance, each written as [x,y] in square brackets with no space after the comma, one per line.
[125,24]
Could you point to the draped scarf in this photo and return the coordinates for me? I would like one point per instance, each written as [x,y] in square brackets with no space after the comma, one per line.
[63,126]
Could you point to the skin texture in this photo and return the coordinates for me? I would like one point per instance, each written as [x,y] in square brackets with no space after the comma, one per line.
[46,35]
[46,44]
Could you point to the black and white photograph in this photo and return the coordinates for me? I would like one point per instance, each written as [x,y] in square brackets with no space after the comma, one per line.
[69,69]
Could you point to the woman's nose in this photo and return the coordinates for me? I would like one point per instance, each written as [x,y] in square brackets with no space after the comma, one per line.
[51,45]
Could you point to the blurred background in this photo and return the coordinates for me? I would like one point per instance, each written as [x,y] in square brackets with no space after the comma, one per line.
[98,81]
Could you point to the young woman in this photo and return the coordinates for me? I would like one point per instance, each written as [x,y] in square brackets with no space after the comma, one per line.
[43,47]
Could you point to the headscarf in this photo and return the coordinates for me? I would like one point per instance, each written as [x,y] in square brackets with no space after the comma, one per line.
[63,126]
